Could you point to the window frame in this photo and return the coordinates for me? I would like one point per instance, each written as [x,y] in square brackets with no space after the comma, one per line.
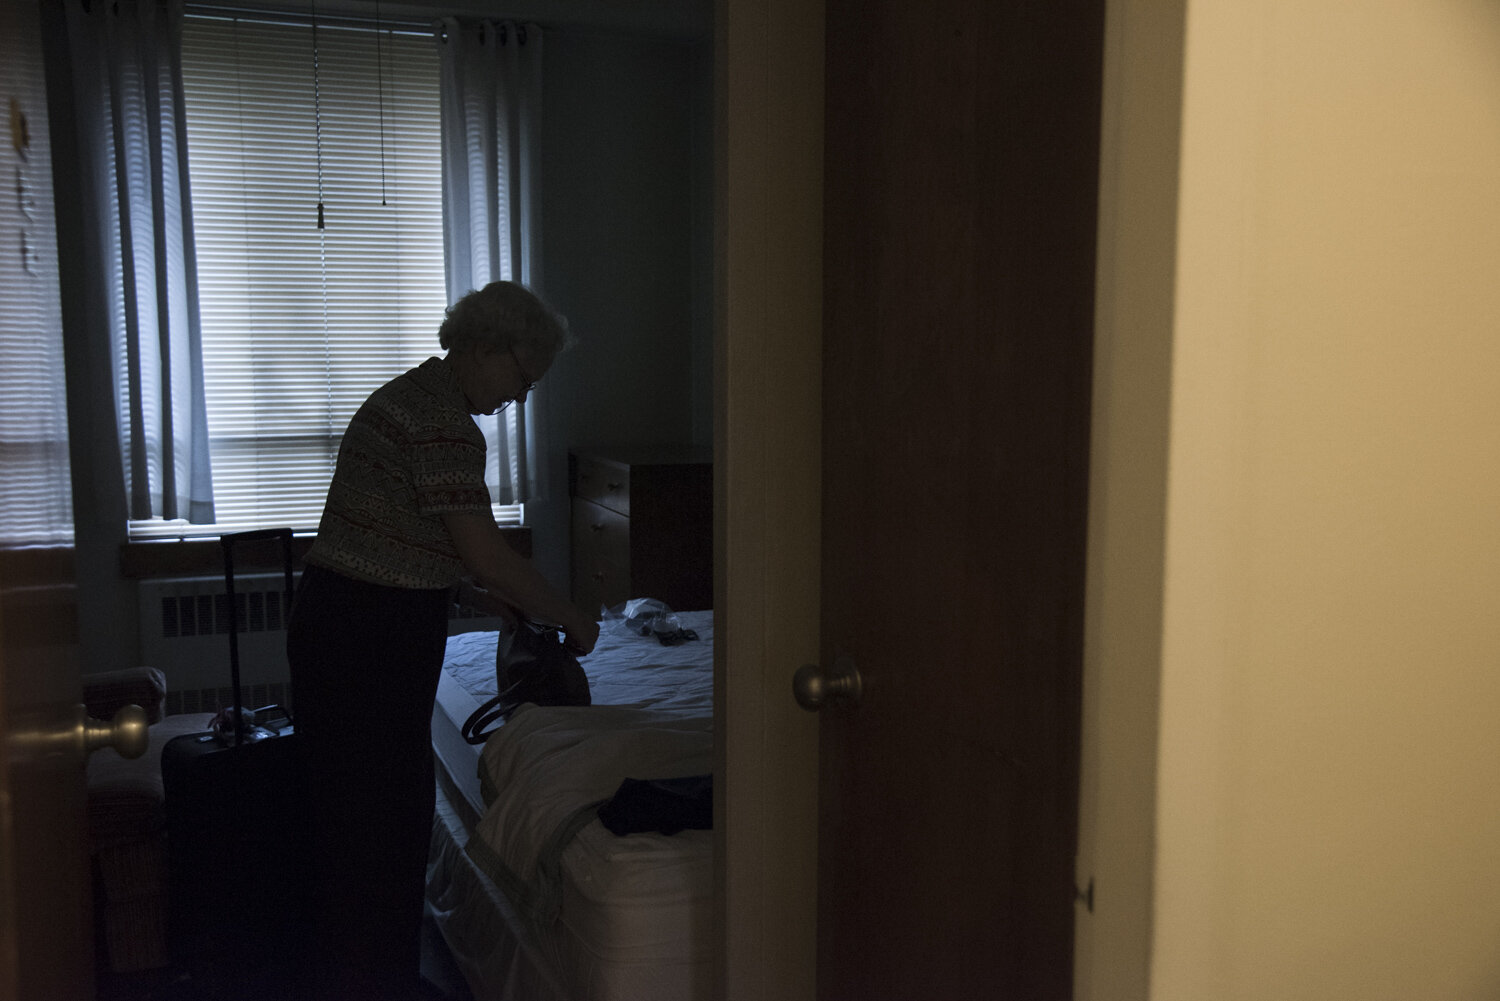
[417,327]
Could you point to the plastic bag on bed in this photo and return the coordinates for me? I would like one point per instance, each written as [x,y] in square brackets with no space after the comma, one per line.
[648,617]
[531,665]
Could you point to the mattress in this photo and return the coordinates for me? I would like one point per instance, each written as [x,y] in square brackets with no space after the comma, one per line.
[537,898]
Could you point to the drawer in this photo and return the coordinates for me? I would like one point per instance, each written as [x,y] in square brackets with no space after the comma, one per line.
[601,587]
[602,482]
[601,556]
[600,535]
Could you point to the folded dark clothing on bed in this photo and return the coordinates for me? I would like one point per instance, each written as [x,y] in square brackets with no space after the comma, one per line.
[664,805]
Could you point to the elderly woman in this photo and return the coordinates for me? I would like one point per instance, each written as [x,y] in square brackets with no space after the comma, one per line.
[407,516]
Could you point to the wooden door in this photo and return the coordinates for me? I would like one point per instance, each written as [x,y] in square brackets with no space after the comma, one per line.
[960,185]
[46,936]
[45,931]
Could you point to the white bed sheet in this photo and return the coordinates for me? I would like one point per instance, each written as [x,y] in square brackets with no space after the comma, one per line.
[624,918]
[624,670]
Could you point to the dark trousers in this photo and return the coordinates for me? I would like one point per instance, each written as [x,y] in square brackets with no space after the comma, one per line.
[365,662]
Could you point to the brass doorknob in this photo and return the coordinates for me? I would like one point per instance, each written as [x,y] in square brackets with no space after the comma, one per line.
[128,732]
[816,687]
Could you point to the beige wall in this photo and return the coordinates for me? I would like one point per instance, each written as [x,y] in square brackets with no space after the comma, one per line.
[1326,637]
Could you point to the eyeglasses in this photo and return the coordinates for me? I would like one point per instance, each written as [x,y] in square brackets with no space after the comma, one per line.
[530,382]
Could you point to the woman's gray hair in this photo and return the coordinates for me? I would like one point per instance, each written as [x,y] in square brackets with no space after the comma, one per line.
[505,315]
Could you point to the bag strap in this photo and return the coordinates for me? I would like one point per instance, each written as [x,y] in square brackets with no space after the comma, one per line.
[498,708]
[474,727]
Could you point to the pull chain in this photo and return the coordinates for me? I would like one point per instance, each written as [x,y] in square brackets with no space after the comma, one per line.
[317,112]
[380,86]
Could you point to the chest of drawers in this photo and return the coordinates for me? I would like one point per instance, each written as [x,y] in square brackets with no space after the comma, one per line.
[642,526]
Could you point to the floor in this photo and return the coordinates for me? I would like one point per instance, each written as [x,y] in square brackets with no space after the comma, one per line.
[442,980]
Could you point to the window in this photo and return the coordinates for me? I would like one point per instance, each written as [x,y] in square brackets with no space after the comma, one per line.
[299,323]
[36,500]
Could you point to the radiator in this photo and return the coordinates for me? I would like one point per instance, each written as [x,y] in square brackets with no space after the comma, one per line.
[184,629]
[184,623]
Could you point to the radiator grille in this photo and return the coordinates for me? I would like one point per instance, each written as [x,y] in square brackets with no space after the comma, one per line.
[208,614]
[211,700]
[184,629]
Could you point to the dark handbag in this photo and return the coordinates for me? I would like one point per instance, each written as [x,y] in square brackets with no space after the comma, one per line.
[531,665]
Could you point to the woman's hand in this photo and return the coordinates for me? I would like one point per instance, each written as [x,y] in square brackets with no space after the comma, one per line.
[507,577]
[580,638]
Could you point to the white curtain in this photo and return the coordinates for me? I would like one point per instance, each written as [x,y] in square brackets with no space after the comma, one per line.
[127,76]
[490,91]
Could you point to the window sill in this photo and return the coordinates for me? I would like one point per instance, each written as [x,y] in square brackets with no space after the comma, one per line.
[205,557]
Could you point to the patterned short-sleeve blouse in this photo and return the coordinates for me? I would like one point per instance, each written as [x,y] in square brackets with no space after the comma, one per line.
[411,454]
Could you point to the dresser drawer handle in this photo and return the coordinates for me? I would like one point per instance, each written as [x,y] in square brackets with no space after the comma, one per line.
[597,526]
[598,575]
[613,486]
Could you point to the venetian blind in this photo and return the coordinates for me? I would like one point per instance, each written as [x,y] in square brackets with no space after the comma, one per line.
[36,500]
[300,324]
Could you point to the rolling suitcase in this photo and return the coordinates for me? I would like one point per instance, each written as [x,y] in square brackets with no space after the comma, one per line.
[233,812]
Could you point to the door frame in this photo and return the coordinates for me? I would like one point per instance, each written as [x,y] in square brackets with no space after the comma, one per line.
[768,59]
[768,232]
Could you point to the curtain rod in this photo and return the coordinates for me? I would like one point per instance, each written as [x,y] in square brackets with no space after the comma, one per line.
[227,12]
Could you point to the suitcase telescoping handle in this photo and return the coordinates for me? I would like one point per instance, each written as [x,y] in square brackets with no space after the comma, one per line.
[228,542]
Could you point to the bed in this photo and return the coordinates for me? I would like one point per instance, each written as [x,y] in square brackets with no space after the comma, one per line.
[536,899]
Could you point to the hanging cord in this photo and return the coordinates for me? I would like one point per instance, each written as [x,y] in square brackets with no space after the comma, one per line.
[394,219]
[239,110]
[317,112]
[322,232]
[380,86]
